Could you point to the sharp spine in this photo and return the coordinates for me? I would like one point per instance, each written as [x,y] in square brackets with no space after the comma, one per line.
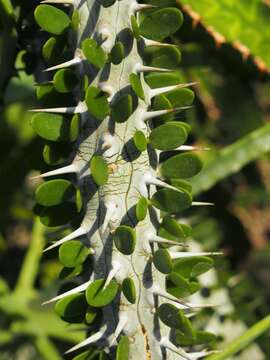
[75,234]
[152,114]
[139,68]
[184,255]
[123,320]
[161,240]
[201,203]
[90,340]
[75,290]
[166,343]
[61,171]
[79,109]
[75,61]
[159,91]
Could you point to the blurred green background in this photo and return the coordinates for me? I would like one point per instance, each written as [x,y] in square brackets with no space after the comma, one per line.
[226,48]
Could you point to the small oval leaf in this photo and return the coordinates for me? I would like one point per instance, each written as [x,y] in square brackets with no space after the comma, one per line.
[97,296]
[181,166]
[129,290]
[72,253]
[97,103]
[54,192]
[99,170]
[163,261]
[171,201]
[125,239]
[52,19]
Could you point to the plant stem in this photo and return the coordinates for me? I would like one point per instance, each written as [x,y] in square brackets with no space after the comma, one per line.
[46,349]
[30,264]
[243,341]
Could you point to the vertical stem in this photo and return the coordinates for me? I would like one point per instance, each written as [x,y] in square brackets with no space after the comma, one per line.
[243,341]
[30,264]
[46,349]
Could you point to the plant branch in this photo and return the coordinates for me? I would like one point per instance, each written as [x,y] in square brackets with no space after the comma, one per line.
[30,265]
[243,341]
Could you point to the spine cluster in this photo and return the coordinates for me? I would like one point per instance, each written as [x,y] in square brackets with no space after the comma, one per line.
[114,127]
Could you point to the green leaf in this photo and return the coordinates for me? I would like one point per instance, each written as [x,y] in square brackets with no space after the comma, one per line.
[199,338]
[156,80]
[163,261]
[171,316]
[94,53]
[72,308]
[49,97]
[122,352]
[122,108]
[54,192]
[178,286]
[125,239]
[233,158]
[159,24]
[135,27]
[53,49]
[136,85]
[171,229]
[90,315]
[129,290]
[99,170]
[180,97]
[56,215]
[171,201]
[55,127]
[56,153]
[97,103]
[182,184]
[65,80]
[52,19]
[193,266]
[181,166]
[97,296]
[140,141]
[117,53]
[141,209]
[248,30]
[73,253]
[168,136]
[69,273]
[164,57]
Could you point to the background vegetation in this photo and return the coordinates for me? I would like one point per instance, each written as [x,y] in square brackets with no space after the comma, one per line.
[225,47]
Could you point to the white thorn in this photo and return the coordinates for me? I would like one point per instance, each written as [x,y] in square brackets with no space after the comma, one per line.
[79,232]
[152,114]
[166,343]
[156,290]
[64,170]
[123,320]
[75,290]
[107,88]
[150,179]
[203,353]
[75,61]
[107,39]
[201,203]
[191,148]
[111,210]
[116,267]
[79,109]
[183,255]
[90,340]
[135,7]
[159,91]
[161,240]
[64,2]
[138,68]
[149,42]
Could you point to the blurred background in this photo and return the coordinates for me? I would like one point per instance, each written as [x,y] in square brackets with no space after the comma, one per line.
[226,49]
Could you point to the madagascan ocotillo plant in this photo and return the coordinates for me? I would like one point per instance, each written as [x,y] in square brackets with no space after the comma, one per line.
[113,121]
